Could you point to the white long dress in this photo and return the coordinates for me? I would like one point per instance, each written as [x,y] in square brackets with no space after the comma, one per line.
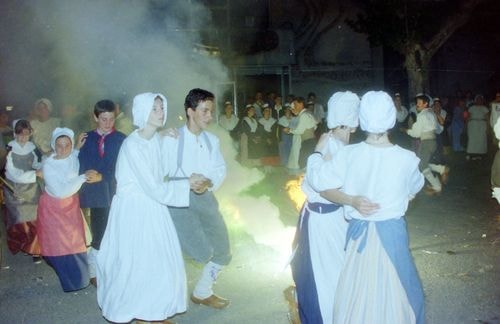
[476,130]
[140,269]
[326,238]
[378,282]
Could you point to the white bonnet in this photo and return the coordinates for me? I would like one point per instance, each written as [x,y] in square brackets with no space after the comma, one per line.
[46,101]
[143,105]
[14,122]
[343,110]
[377,112]
[61,131]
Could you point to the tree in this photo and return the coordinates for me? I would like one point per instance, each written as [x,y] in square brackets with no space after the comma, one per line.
[319,17]
[414,28]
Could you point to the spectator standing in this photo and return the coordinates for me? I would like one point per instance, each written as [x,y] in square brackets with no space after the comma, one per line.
[303,141]
[477,143]
[228,120]
[43,126]
[458,125]
[285,140]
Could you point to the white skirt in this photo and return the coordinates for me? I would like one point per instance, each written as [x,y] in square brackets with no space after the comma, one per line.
[326,242]
[140,269]
[370,289]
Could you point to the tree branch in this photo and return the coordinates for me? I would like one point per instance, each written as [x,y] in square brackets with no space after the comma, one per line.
[451,25]
[312,41]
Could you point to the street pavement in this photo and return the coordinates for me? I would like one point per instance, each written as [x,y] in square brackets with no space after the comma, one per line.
[454,238]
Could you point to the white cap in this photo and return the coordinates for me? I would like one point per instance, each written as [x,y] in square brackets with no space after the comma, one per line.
[377,112]
[343,110]
[46,101]
[61,131]
[143,105]
[14,122]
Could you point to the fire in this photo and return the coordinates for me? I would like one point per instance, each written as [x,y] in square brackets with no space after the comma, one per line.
[294,190]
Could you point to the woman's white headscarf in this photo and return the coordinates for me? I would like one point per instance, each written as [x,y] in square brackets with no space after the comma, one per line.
[377,112]
[143,105]
[343,110]
[46,101]
[61,131]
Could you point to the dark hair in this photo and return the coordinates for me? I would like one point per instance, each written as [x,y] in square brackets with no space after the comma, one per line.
[424,98]
[21,125]
[61,136]
[311,94]
[102,106]
[300,99]
[194,97]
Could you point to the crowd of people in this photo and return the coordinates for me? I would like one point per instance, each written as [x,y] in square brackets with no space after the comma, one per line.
[149,197]
[270,132]
[147,193]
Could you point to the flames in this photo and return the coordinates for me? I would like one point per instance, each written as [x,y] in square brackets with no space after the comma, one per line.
[294,190]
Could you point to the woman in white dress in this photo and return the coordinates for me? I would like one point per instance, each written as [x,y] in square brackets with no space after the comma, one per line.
[379,282]
[140,269]
[477,143]
[228,120]
[320,237]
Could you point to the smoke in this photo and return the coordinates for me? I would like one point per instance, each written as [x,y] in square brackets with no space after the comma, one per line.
[257,216]
[79,52]
[83,51]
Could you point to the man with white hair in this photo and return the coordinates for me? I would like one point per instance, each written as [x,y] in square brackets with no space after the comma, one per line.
[320,237]
[44,125]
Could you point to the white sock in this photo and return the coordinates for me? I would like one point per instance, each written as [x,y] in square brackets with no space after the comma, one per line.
[433,180]
[92,260]
[203,288]
[439,168]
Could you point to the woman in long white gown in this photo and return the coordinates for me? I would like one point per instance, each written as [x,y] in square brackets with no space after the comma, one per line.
[379,282]
[140,269]
[477,142]
[321,232]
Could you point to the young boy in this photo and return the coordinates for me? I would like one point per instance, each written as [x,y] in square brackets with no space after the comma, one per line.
[100,153]
[426,128]
[201,229]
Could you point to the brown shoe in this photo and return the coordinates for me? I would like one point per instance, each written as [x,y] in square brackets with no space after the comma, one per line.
[213,301]
[444,176]
[431,192]
[93,281]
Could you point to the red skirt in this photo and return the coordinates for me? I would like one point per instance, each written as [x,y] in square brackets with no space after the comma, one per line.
[60,226]
[23,237]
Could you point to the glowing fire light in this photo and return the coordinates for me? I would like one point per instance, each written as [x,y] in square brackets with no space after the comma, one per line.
[295,192]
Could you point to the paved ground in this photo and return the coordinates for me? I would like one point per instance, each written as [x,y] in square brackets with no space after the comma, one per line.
[454,240]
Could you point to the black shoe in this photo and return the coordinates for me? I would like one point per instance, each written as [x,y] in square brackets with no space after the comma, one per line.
[37,260]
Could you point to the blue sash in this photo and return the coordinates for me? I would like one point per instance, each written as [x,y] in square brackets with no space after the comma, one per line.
[394,237]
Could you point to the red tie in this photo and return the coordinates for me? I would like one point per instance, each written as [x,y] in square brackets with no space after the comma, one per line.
[100,142]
